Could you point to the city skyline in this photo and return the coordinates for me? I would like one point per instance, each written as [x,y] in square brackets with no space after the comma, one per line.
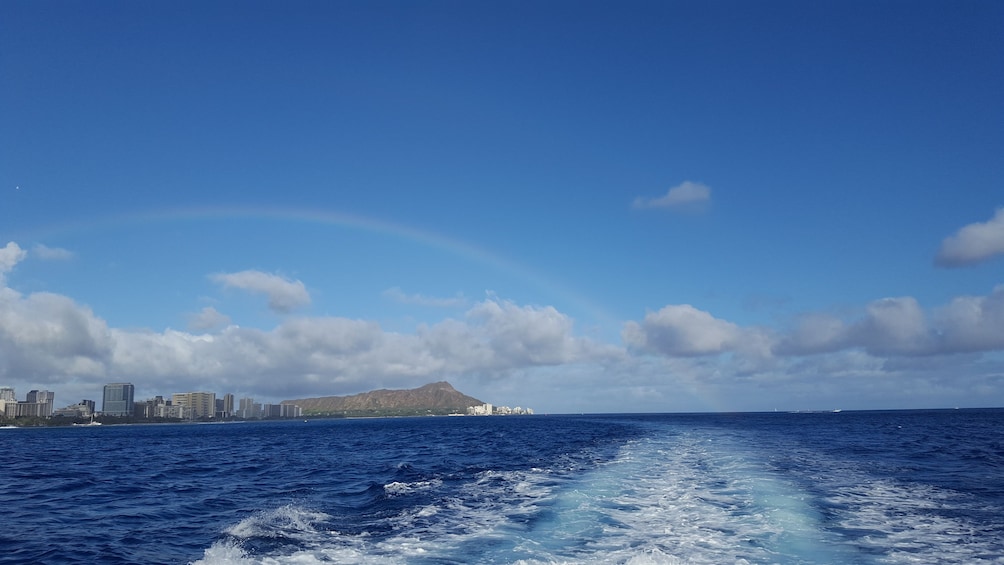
[580,206]
[118,401]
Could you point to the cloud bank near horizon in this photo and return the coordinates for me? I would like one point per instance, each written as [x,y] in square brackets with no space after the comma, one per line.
[50,340]
[889,327]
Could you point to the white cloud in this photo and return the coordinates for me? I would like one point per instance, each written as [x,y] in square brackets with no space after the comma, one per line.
[501,342]
[172,357]
[398,295]
[972,323]
[284,295]
[44,336]
[893,350]
[10,255]
[890,327]
[47,336]
[814,333]
[329,336]
[900,327]
[893,326]
[527,335]
[51,253]
[684,194]
[327,355]
[207,319]
[973,243]
[681,330]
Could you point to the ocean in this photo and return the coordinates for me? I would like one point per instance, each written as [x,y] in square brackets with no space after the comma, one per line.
[893,487]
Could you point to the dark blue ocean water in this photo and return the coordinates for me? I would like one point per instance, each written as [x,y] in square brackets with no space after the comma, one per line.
[850,487]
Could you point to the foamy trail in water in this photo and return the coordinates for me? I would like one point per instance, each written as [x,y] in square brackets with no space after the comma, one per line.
[694,498]
[702,496]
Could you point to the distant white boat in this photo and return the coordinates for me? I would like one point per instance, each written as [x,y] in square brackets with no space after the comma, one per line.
[93,422]
[837,411]
[8,427]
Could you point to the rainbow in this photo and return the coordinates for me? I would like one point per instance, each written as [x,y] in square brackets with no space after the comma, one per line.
[463,249]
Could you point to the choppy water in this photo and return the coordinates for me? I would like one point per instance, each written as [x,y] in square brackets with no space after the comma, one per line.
[853,487]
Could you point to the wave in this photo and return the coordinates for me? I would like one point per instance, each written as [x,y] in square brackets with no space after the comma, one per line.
[698,497]
[291,524]
[397,488]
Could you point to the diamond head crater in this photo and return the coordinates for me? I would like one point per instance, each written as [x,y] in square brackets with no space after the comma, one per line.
[434,399]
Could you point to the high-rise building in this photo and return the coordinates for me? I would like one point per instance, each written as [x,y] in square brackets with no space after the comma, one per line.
[249,409]
[7,396]
[228,405]
[169,410]
[198,404]
[44,399]
[149,408]
[118,399]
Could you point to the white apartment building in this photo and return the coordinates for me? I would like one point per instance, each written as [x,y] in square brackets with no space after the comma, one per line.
[199,404]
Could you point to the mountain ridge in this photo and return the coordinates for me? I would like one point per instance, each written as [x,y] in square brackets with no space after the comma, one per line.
[433,398]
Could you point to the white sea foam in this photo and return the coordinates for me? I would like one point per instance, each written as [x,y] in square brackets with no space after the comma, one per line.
[654,505]
[682,499]
[227,552]
[913,524]
[398,488]
[289,520]
[700,497]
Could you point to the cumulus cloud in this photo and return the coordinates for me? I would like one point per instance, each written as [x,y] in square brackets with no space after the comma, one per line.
[682,330]
[813,333]
[398,295]
[889,327]
[973,243]
[527,335]
[972,323]
[893,326]
[10,255]
[685,194]
[680,352]
[284,295]
[327,355]
[50,253]
[901,327]
[207,319]
[48,336]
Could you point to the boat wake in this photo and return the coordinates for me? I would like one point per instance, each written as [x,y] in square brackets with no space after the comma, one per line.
[697,497]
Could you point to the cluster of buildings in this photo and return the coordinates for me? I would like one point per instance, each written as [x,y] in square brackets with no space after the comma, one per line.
[487,409]
[118,400]
[37,404]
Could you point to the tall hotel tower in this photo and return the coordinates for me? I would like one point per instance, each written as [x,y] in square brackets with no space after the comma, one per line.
[118,399]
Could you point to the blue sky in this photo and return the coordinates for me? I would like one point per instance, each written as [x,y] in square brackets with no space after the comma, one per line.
[573,206]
